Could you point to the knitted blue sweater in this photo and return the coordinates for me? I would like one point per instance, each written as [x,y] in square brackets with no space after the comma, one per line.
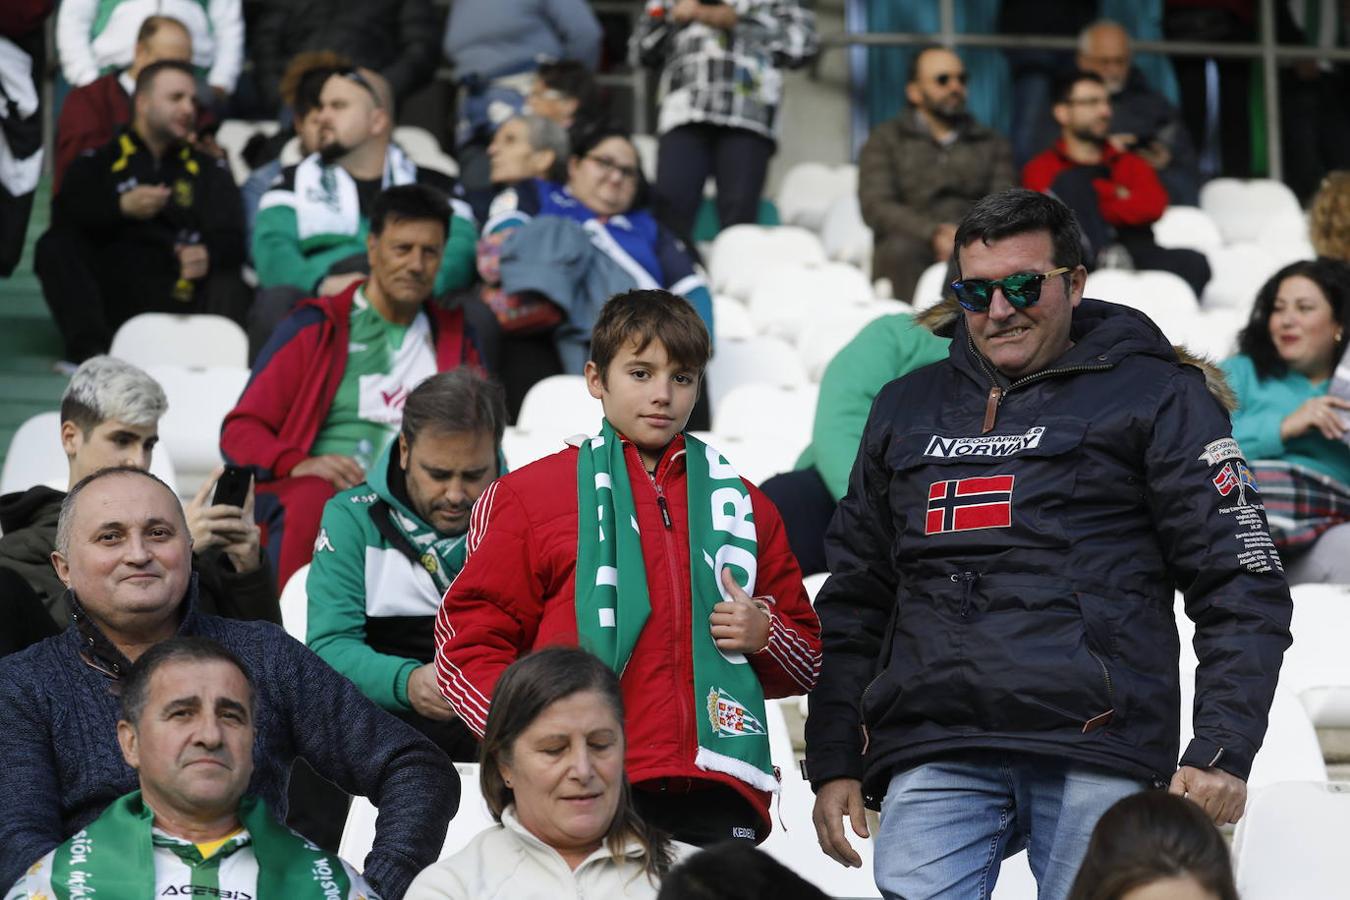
[62,765]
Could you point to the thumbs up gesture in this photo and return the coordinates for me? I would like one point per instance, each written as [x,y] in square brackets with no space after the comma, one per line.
[740,624]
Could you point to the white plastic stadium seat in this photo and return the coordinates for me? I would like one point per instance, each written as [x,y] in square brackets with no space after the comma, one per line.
[234,134]
[743,254]
[1316,667]
[1163,297]
[765,360]
[809,188]
[182,340]
[821,340]
[558,407]
[1242,208]
[732,318]
[423,148]
[471,819]
[521,448]
[647,148]
[845,235]
[35,457]
[1291,843]
[1238,271]
[290,152]
[1187,226]
[928,290]
[199,400]
[295,604]
[787,296]
[768,411]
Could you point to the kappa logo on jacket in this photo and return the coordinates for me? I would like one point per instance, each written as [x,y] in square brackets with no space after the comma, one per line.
[969,504]
[985,445]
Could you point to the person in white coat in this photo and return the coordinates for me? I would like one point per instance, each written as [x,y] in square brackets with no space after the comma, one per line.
[552,777]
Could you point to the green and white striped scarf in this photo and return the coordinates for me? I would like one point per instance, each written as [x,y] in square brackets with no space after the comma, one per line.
[612,603]
[114,858]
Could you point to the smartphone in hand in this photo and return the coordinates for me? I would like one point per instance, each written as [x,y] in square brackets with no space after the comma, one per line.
[232,487]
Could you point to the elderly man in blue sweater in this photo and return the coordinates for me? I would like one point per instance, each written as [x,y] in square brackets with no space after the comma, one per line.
[122,549]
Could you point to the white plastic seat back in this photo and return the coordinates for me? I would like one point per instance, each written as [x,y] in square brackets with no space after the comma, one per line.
[928,289]
[762,360]
[295,607]
[234,134]
[1187,226]
[35,456]
[809,188]
[471,819]
[1316,667]
[1242,208]
[733,319]
[197,340]
[844,233]
[424,150]
[1238,272]
[199,400]
[785,414]
[1163,297]
[743,254]
[1291,842]
[522,448]
[788,297]
[821,340]
[647,147]
[558,407]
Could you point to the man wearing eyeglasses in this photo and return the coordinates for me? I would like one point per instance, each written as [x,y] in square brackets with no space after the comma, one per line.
[1115,193]
[921,171]
[1000,653]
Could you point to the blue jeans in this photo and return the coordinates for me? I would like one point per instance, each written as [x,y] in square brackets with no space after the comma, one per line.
[947,825]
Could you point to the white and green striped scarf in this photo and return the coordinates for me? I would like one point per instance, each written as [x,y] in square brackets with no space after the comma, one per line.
[612,603]
[121,856]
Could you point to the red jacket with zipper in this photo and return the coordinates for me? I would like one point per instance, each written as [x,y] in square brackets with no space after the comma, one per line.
[517,590]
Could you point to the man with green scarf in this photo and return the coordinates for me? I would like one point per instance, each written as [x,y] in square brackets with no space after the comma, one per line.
[187,729]
[388,549]
[642,545]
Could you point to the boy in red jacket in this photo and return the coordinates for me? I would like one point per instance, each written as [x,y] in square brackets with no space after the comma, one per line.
[643,546]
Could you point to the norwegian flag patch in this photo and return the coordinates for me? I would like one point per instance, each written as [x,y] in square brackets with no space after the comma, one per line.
[968,504]
[1226,481]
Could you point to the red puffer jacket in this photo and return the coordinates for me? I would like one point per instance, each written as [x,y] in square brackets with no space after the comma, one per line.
[517,592]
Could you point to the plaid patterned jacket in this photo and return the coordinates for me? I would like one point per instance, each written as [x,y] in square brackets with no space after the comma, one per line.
[731,78]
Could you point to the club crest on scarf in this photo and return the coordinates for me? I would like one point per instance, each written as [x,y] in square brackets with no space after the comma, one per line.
[729,717]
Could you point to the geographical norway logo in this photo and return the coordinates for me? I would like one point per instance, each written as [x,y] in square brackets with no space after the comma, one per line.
[729,718]
[989,445]
[1218,451]
[969,504]
[1235,476]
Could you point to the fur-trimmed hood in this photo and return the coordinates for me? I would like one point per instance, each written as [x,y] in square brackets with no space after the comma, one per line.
[945,319]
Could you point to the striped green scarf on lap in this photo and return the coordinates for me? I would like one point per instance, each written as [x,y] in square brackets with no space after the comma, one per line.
[612,603]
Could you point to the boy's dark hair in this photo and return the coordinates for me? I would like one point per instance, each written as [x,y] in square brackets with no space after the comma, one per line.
[460,400]
[1020,211]
[409,202]
[1065,84]
[1150,836]
[146,79]
[570,78]
[703,876]
[136,684]
[645,316]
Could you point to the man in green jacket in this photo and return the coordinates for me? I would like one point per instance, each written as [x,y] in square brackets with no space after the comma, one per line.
[389,548]
[309,238]
[882,351]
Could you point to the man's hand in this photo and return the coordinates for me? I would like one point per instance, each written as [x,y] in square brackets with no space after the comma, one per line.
[944,239]
[836,799]
[336,284]
[193,261]
[425,696]
[341,472]
[229,527]
[1222,796]
[738,624]
[144,201]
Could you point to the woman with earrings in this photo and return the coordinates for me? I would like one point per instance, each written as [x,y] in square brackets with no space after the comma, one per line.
[552,776]
[1288,423]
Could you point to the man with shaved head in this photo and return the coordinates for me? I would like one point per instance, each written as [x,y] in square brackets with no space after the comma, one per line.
[1143,121]
[310,236]
[124,552]
[919,173]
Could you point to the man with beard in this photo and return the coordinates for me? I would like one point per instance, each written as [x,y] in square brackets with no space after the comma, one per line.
[145,223]
[919,173]
[328,389]
[1115,194]
[309,238]
[389,548]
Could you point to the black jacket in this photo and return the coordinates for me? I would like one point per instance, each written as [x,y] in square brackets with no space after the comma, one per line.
[1015,590]
[400,39]
[135,258]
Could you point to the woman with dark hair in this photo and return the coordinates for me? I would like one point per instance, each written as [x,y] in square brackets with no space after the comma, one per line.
[552,776]
[1155,845]
[1287,424]
[571,247]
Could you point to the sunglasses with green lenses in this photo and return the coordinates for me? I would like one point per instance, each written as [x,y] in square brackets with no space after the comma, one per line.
[1022,289]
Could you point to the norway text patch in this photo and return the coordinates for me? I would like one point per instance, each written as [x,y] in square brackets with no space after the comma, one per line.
[967,504]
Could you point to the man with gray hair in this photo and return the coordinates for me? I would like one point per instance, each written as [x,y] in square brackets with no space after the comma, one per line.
[123,550]
[110,416]
[389,548]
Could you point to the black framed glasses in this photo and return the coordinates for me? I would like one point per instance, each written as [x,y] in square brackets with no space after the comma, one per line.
[1022,289]
[613,167]
[946,78]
